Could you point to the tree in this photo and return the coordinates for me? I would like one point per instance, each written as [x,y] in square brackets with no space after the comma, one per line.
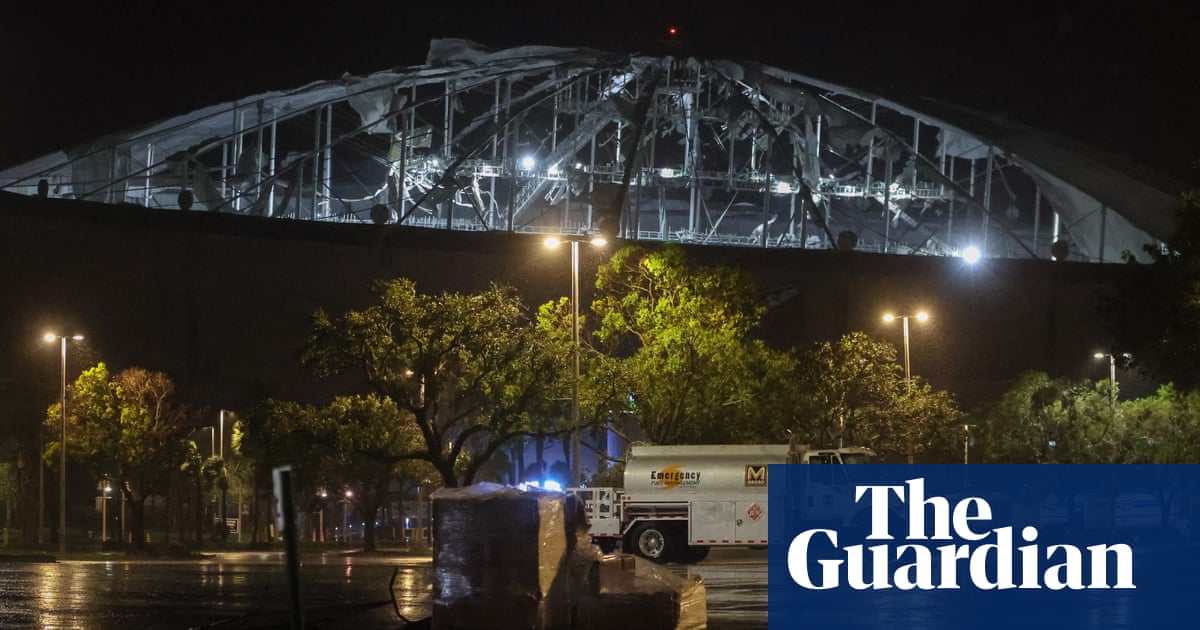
[351,443]
[368,434]
[682,331]
[126,425]
[924,424]
[1041,419]
[1155,312]
[853,393]
[1163,428]
[604,387]
[1046,420]
[469,369]
[200,476]
[238,475]
[278,433]
[847,388]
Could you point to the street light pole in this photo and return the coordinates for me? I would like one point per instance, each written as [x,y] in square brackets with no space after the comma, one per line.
[321,492]
[1112,376]
[576,475]
[921,316]
[62,450]
[105,489]
[1112,382]
[346,517]
[575,468]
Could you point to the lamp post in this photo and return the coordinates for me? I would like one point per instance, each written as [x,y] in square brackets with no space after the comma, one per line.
[1112,375]
[62,450]
[321,514]
[124,485]
[920,316]
[553,242]
[105,489]
[346,516]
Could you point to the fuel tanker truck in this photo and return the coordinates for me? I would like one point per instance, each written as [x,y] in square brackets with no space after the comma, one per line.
[678,501]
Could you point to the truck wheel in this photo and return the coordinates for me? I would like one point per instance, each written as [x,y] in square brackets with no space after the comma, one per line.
[653,542]
[606,545]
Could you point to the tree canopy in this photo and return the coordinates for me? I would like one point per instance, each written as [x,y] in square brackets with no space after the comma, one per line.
[468,369]
[1067,421]
[853,393]
[682,333]
[125,425]
[353,442]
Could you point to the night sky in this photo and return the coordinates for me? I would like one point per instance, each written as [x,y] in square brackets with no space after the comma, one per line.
[1124,79]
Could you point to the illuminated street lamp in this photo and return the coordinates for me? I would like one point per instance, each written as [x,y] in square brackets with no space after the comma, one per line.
[321,514]
[346,515]
[105,491]
[553,242]
[62,450]
[1112,374]
[920,316]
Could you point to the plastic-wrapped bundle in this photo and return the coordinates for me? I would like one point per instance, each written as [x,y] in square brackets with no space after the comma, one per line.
[509,559]
[499,558]
[621,593]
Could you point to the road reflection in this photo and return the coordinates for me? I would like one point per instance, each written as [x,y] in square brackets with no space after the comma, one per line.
[230,590]
[249,590]
[735,581]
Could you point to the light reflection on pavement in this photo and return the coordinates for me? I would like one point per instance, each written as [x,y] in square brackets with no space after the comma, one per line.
[735,581]
[249,590]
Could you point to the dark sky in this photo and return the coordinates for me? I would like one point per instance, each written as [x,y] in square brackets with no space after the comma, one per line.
[1125,79]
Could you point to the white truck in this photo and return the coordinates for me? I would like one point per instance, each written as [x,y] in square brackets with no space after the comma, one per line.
[678,501]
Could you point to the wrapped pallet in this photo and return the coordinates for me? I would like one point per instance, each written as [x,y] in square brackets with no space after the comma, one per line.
[622,593]
[500,559]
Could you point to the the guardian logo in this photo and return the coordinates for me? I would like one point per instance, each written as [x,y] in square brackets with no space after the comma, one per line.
[973,553]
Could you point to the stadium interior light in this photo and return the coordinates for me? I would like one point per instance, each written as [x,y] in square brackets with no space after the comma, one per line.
[528,162]
[972,254]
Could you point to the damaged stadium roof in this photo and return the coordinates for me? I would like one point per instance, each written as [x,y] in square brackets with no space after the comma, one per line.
[662,147]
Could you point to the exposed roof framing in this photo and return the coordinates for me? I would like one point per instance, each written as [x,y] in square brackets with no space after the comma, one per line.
[571,141]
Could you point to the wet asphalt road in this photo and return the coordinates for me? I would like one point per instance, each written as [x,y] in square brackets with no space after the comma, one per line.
[249,590]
